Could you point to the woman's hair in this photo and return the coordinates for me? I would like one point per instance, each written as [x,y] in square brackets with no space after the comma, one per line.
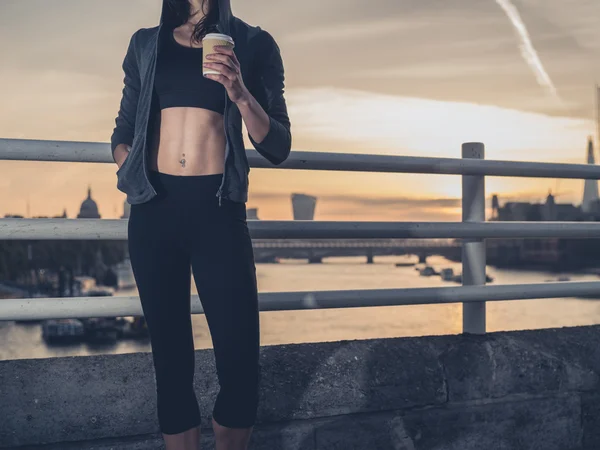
[178,12]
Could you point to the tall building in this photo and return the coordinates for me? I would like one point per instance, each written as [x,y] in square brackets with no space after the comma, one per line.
[304,206]
[590,187]
[126,210]
[89,208]
[252,214]
[495,207]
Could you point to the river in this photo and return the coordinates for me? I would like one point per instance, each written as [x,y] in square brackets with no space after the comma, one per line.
[20,341]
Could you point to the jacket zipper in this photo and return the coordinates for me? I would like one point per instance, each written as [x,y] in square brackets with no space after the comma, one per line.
[225,30]
[220,191]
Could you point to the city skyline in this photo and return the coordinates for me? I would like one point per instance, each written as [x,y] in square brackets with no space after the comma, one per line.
[438,75]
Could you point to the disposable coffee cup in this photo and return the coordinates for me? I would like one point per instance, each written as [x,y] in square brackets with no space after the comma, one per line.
[208,44]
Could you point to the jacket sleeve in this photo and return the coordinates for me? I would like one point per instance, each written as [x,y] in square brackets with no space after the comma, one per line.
[276,145]
[125,122]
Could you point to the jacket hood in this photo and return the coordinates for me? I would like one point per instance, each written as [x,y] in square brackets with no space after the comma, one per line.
[225,15]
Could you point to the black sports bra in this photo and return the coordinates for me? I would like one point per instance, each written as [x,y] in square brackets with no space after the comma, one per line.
[178,79]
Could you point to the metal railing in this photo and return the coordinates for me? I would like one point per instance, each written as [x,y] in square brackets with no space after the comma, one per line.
[473,231]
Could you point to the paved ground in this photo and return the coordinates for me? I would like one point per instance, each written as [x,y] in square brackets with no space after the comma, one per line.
[153,442]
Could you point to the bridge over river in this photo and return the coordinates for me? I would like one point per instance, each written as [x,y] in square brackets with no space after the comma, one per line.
[316,249]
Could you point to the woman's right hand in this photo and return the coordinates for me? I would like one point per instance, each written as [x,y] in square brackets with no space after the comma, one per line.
[121,153]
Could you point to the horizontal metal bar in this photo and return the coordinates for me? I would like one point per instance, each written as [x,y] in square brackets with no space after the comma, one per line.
[35,150]
[420,230]
[108,229]
[355,244]
[58,151]
[80,307]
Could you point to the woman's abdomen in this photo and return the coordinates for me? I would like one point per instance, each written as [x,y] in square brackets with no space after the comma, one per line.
[191,142]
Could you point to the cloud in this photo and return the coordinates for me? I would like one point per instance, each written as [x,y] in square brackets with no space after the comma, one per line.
[423,127]
[347,31]
[394,201]
[348,207]
[436,70]
[399,201]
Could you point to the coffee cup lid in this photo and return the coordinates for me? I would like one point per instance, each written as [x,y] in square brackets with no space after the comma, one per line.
[223,37]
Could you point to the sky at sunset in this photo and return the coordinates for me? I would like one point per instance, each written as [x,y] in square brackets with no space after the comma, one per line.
[399,77]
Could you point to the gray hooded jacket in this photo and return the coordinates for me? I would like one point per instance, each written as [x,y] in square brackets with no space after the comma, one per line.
[138,120]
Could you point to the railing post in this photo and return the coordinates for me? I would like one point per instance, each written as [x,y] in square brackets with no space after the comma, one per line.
[473,250]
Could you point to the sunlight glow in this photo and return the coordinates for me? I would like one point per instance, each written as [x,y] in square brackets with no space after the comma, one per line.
[421,127]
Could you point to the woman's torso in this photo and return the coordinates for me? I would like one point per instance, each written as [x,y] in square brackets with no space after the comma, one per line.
[191,137]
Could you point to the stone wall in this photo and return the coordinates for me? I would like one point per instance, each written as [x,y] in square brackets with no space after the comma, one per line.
[524,390]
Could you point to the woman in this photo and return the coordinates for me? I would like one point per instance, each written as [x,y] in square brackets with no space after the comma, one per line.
[179,147]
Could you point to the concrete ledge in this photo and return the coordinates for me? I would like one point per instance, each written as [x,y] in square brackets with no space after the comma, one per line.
[521,390]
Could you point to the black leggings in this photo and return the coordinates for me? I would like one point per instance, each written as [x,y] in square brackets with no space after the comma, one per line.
[184,226]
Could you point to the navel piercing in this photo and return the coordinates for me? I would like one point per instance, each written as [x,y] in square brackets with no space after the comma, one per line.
[183,161]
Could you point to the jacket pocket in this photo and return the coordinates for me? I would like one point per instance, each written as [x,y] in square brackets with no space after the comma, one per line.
[127,158]
[130,176]
[133,152]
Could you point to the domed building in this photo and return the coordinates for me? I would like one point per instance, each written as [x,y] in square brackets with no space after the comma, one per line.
[89,208]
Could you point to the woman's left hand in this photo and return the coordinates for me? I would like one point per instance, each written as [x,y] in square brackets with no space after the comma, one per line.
[226,63]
